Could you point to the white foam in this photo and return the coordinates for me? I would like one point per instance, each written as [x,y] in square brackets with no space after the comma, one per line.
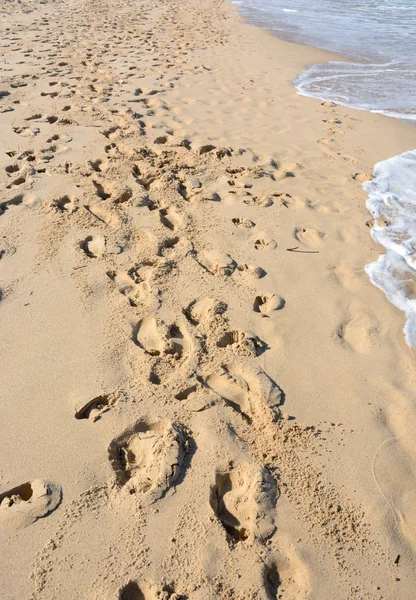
[374,87]
[392,202]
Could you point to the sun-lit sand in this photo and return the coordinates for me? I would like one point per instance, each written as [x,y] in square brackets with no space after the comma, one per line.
[202,395]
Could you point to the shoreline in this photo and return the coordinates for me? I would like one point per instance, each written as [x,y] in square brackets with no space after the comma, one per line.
[302,57]
[206,398]
[393,291]
[331,56]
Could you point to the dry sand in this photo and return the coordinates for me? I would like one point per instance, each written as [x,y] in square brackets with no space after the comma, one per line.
[190,410]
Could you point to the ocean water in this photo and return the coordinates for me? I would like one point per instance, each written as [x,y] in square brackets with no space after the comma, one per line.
[392,202]
[377,38]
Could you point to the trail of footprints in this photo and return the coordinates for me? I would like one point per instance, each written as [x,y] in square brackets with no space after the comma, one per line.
[149,458]
[197,356]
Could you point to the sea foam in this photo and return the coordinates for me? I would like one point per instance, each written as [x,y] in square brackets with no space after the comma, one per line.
[392,202]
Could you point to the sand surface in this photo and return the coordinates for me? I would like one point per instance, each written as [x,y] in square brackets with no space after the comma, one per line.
[202,395]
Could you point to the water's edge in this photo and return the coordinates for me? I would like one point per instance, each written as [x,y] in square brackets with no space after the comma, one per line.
[374,38]
[307,85]
[392,203]
[307,80]
[392,191]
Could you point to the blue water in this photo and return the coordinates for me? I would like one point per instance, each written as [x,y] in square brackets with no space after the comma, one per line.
[378,37]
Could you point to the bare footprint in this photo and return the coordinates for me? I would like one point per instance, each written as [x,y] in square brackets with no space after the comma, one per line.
[362,177]
[309,236]
[65,204]
[348,158]
[149,457]
[126,286]
[165,348]
[27,131]
[102,214]
[170,218]
[242,342]
[243,499]
[149,338]
[24,504]
[248,393]
[359,332]
[241,222]
[264,243]
[204,310]
[175,247]
[157,339]
[263,201]
[94,246]
[251,272]
[217,263]
[267,304]
[91,406]
[233,389]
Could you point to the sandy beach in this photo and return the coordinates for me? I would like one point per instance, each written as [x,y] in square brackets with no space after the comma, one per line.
[202,394]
